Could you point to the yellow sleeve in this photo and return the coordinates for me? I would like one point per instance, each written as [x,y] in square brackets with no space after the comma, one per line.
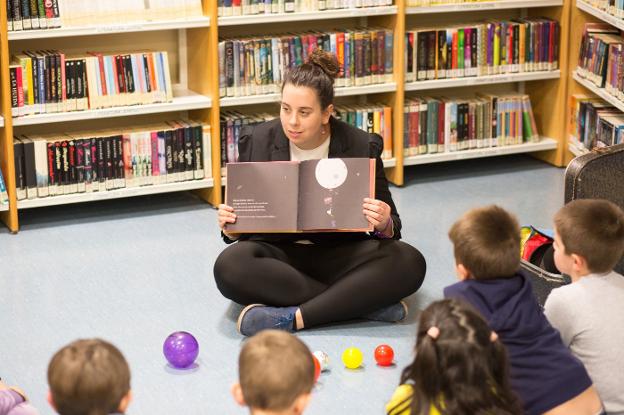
[400,402]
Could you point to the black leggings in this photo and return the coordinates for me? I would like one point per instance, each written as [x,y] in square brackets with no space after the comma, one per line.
[329,283]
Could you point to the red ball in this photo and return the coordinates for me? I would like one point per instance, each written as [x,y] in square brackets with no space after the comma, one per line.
[317,368]
[384,355]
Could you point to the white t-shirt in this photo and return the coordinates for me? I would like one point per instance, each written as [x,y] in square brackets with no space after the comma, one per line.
[589,314]
[321,152]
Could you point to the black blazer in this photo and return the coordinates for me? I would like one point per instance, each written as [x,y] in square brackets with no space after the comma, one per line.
[267,142]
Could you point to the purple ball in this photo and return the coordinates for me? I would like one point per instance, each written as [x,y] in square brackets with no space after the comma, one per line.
[181,349]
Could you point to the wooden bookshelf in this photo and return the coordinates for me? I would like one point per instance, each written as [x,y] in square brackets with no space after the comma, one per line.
[191,42]
[581,13]
[197,93]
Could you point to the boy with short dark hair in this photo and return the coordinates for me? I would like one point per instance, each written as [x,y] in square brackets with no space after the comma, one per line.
[589,313]
[276,374]
[89,377]
[545,375]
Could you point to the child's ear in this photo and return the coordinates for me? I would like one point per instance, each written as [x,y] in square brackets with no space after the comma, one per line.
[237,393]
[301,403]
[125,401]
[51,400]
[462,272]
[580,263]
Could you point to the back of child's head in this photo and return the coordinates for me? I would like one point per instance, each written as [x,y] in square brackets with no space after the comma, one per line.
[593,229]
[275,368]
[88,377]
[486,241]
[460,366]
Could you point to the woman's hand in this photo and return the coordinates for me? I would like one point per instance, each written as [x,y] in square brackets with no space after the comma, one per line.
[377,213]
[226,215]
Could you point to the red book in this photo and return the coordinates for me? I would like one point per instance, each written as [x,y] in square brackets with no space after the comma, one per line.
[20,88]
[454,49]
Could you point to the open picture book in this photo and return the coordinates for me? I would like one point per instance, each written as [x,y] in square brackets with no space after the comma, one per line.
[309,196]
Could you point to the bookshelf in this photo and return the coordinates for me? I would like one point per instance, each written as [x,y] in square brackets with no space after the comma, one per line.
[582,13]
[195,68]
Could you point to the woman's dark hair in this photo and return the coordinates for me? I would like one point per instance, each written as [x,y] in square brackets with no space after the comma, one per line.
[459,367]
[318,73]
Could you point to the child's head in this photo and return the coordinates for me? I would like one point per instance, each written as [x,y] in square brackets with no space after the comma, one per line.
[459,363]
[89,377]
[276,373]
[589,232]
[486,243]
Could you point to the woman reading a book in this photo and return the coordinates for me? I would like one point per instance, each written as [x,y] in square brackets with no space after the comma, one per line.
[301,280]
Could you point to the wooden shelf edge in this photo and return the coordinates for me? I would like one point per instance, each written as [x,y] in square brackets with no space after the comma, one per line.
[601,92]
[70,31]
[339,92]
[482,80]
[483,5]
[600,14]
[115,194]
[300,16]
[187,101]
[543,145]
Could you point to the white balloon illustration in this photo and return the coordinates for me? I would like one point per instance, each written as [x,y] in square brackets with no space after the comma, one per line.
[331,173]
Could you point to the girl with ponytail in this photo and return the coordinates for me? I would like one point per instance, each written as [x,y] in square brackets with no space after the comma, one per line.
[296,281]
[460,367]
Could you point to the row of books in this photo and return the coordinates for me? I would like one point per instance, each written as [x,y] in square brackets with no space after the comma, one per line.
[50,81]
[230,125]
[4,196]
[32,14]
[429,3]
[600,58]
[373,118]
[56,164]
[251,7]
[487,48]
[595,123]
[254,66]
[436,125]
[46,14]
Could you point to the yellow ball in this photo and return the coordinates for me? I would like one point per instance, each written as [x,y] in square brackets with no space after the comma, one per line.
[352,357]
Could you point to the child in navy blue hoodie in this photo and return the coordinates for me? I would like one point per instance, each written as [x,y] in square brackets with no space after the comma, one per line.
[545,375]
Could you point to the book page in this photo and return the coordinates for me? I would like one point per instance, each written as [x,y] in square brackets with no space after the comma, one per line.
[263,195]
[331,194]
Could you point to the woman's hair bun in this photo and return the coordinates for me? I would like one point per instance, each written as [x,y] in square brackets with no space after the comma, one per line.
[326,61]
